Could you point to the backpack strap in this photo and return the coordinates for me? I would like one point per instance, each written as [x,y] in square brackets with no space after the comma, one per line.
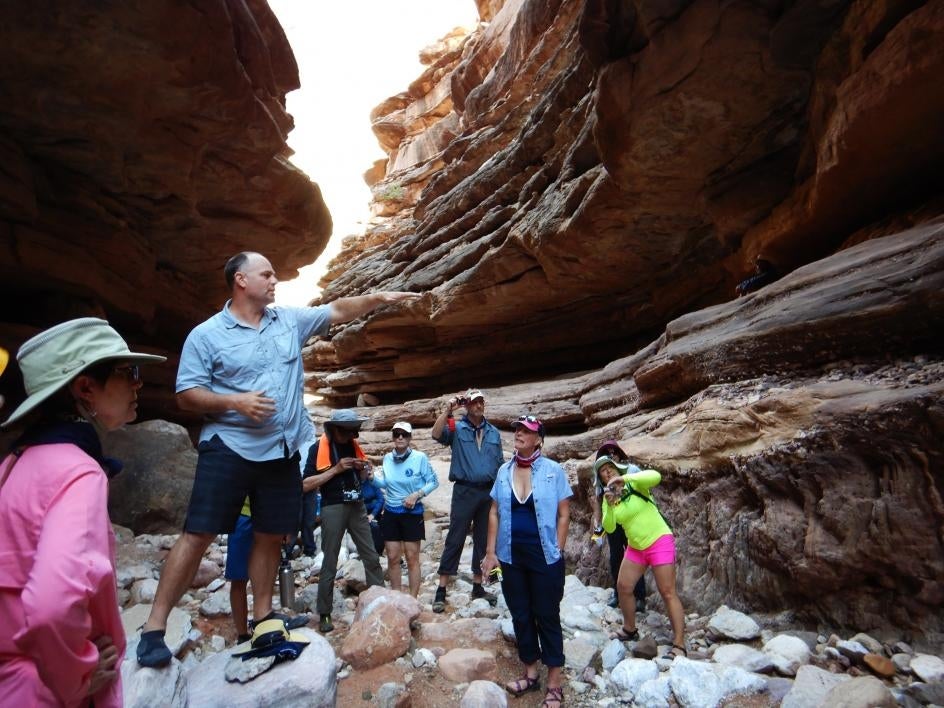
[13,459]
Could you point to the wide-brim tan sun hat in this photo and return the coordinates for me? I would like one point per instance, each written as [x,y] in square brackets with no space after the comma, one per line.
[55,356]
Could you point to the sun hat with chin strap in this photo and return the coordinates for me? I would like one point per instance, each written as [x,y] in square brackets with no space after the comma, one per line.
[52,358]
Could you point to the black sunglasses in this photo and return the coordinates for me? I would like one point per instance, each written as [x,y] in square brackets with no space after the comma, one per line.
[401,434]
[132,372]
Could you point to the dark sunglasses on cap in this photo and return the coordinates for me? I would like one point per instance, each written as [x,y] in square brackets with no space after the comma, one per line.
[528,419]
[132,372]
[401,434]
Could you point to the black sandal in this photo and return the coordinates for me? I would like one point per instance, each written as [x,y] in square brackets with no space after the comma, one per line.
[672,653]
[522,685]
[625,635]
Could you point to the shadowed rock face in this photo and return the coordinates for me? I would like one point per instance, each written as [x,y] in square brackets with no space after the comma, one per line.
[142,144]
[609,166]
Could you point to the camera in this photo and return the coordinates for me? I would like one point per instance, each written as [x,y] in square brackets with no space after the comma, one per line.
[462,401]
[349,496]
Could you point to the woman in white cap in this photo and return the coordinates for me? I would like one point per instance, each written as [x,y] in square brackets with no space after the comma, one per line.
[61,636]
[527,529]
[407,477]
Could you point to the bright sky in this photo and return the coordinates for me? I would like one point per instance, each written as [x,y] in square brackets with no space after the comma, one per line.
[351,56]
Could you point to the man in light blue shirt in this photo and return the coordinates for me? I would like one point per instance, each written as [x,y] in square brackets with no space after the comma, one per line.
[242,370]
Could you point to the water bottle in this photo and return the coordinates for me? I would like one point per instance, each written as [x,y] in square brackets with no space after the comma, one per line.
[286,583]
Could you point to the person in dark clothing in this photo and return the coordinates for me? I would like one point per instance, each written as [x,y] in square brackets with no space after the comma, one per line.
[764,274]
[338,468]
[616,541]
[374,503]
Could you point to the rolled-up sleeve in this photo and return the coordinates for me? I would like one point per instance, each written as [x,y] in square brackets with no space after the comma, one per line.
[196,364]
[312,321]
[71,566]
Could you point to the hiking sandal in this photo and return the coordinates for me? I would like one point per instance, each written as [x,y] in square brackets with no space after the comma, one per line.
[522,685]
[675,651]
[554,698]
[625,635]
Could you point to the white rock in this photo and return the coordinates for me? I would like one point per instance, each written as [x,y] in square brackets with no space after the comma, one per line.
[787,653]
[423,657]
[695,684]
[928,668]
[810,687]
[654,693]
[854,651]
[630,674]
[860,692]
[145,688]
[142,591]
[217,643]
[735,680]
[732,624]
[309,680]
[578,654]
[216,605]
[902,663]
[215,584]
[176,636]
[239,671]
[743,656]
[870,643]
[613,653]
[579,617]
[484,694]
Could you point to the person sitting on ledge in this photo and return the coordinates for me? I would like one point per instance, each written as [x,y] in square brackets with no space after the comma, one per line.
[764,274]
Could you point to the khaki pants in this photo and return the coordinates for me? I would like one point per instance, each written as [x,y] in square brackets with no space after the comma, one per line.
[335,520]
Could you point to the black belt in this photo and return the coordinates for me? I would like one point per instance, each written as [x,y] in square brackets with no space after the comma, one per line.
[475,485]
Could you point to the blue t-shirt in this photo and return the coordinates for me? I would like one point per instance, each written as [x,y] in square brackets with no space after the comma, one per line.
[400,478]
[226,356]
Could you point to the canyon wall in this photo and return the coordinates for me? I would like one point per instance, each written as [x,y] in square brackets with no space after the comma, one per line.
[579,186]
[143,144]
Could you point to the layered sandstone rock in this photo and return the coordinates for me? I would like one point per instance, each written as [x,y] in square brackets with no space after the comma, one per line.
[616,165]
[143,144]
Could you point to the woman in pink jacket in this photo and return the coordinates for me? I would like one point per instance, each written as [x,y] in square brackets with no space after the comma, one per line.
[61,639]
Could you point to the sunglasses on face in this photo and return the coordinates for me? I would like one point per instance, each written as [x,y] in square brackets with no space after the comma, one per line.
[400,434]
[131,372]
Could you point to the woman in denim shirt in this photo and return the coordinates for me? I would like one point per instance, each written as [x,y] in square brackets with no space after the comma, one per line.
[527,529]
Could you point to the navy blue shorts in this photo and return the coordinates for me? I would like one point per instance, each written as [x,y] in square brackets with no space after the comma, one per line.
[224,480]
[402,527]
[238,546]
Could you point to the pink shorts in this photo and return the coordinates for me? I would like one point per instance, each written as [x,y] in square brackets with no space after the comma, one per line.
[661,552]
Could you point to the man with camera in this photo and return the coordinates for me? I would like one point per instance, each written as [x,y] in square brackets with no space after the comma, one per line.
[337,467]
[476,457]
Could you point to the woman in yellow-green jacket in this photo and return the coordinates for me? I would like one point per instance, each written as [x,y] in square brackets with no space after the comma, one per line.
[627,502]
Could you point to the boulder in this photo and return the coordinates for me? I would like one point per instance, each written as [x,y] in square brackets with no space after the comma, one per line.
[309,680]
[484,694]
[377,637]
[465,665]
[860,692]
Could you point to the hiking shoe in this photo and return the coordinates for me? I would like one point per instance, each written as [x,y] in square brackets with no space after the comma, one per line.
[152,649]
[439,602]
[478,592]
[641,605]
[325,626]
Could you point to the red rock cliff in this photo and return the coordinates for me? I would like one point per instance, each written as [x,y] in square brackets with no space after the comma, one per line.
[142,144]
